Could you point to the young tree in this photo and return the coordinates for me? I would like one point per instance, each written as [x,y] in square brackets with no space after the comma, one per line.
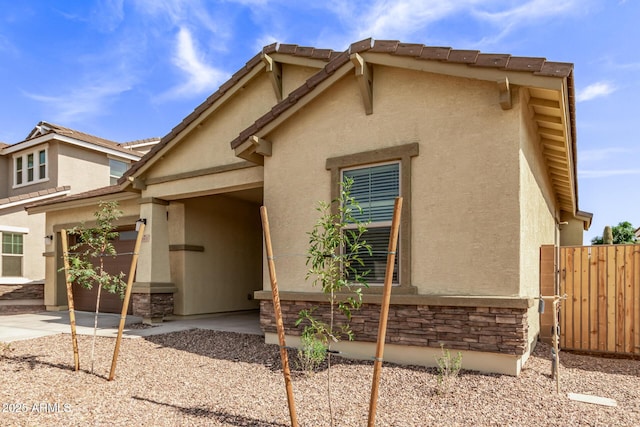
[622,233]
[86,258]
[335,247]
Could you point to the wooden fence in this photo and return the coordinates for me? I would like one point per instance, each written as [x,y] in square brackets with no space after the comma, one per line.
[602,309]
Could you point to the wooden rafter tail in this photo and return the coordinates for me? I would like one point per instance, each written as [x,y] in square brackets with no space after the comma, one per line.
[278,314]
[125,302]
[384,310]
[72,314]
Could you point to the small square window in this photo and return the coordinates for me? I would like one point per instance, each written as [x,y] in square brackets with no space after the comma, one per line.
[12,250]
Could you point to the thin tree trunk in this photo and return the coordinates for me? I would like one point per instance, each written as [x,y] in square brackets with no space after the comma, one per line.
[329,361]
[95,318]
[72,314]
[95,328]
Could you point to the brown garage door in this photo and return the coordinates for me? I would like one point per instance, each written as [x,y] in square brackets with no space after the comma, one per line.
[85,299]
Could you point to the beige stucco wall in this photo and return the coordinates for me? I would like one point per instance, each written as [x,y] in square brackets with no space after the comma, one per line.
[465,180]
[33,240]
[55,292]
[208,145]
[6,171]
[82,169]
[537,223]
[225,274]
[572,233]
[496,363]
[207,184]
[293,76]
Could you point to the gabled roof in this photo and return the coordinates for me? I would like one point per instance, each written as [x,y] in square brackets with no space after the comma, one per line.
[284,53]
[550,85]
[110,192]
[45,131]
[138,142]
[470,58]
[36,196]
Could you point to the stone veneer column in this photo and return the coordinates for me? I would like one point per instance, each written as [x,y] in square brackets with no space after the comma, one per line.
[153,290]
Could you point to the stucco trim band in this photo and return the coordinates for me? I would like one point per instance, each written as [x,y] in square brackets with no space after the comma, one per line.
[201,172]
[153,288]
[186,248]
[406,299]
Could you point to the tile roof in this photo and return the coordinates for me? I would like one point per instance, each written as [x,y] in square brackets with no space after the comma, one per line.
[335,60]
[294,50]
[139,142]
[472,58]
[46,128]
[102,191]
[34,194]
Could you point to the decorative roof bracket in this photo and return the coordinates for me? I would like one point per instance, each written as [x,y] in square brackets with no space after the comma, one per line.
[505,94]
[364,75]
[274,71]
[254,149]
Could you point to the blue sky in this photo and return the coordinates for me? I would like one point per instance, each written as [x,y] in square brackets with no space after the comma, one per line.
[127,70]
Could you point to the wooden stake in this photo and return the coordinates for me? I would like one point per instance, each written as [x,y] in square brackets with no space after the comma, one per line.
[72,313]
[125,302]
[278,314]
[384,310]
[556,340]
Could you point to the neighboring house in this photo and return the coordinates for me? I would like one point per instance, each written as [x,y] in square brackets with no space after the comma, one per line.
[52,162]
[638,233]
[482,147]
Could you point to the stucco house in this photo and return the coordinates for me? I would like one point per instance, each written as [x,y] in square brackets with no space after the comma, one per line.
[467,138]
[51,162]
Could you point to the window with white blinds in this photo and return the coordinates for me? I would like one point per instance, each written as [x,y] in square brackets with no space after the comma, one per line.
[375,189]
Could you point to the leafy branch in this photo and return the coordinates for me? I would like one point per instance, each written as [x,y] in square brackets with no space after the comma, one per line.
[336,244]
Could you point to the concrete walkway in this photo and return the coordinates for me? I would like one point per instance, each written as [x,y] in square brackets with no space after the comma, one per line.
[27,326]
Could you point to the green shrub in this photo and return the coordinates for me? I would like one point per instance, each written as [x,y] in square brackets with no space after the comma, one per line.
[448,369]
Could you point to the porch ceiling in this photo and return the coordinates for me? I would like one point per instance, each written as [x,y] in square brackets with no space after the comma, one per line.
[554,135]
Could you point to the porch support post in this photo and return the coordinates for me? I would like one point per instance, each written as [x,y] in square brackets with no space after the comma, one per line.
[153,290]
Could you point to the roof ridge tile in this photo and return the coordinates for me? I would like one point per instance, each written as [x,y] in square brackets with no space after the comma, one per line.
[361,46]
[385,46]
[435,52]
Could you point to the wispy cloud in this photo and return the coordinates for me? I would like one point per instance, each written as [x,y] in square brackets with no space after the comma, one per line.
[606,173]
[199,76]
[600,154]
[526,12]
[595,90]
[404,18]
[82,101]
[385,20]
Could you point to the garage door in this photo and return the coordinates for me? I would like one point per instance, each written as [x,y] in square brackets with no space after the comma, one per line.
[85,299]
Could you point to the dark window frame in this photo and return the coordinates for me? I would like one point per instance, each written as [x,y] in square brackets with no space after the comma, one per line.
[403,154]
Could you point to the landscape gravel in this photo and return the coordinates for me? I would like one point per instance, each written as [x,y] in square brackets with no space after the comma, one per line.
[209,378]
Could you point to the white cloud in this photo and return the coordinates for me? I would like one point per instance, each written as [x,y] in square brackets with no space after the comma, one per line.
[600,154]
[82,102]
[595,90]
[108,14]
[402,19]
[394,20]
[607,173]
[199,76]
[528,11]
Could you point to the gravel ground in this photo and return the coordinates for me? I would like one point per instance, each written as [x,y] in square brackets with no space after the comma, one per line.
[208,378]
